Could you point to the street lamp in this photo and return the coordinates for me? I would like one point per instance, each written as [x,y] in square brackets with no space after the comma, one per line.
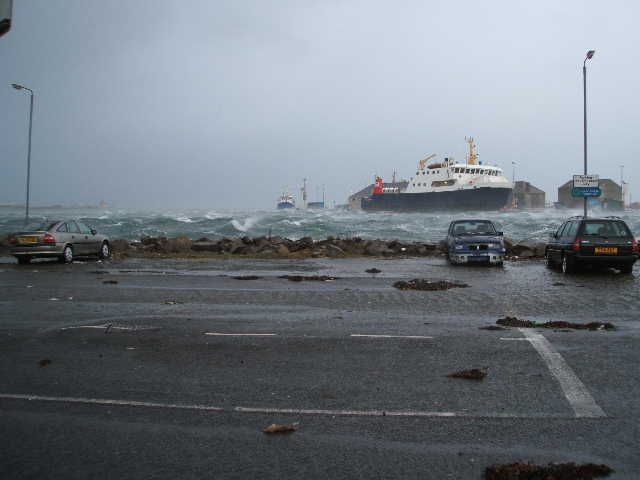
[22,87]
[584,92]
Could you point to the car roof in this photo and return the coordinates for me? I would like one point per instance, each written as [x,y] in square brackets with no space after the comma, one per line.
[472,220]
[611,218]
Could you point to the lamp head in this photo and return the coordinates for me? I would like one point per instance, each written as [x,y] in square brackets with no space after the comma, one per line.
[590,54]
[16,86]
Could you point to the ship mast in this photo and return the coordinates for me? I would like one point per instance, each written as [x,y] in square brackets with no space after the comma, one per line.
[472,157]
[304,193]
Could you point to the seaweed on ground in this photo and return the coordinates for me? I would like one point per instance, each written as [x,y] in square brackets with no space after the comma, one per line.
[552,471]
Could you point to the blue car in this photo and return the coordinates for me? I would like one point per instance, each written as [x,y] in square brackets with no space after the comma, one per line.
[475,242]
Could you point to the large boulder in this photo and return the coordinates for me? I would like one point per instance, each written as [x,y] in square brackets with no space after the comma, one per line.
[205,246]
[334,251]
[528,249]
[120,245]
[178,245]
[377,248]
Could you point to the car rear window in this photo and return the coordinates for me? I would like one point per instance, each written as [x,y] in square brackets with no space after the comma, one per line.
[605,229]
[41,227]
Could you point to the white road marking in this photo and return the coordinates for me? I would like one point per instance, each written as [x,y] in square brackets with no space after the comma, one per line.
[515,339]
[347,413]
[103,327]
[389,336]
[574,390]
[269,410]
[108,402]
[216,334]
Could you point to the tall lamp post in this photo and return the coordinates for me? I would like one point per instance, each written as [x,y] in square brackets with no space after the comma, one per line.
[22,87]
[584,92]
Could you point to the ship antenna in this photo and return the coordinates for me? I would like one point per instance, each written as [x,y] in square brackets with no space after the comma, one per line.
[472,157]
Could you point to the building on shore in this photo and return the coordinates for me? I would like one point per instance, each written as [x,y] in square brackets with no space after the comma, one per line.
[526,196]
[355,199]
[611,198]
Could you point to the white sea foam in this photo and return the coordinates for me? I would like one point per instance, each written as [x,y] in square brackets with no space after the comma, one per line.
[246,225]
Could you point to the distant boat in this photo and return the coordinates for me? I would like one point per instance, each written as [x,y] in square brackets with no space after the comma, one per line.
[286,201]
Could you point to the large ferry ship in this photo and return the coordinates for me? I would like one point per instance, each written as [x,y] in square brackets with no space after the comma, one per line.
[445,185]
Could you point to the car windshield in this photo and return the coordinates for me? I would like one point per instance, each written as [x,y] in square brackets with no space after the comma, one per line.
[605,228]
[471,227]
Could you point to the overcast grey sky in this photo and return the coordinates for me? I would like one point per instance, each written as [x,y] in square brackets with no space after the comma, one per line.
[221,104]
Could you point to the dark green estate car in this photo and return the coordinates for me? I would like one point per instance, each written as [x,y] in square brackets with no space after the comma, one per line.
[595,242]
[61,239]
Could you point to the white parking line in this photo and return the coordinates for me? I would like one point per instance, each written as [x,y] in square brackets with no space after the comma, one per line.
[574,390]
[103,327]
[270,411]
[104,401]
[388,336]
[216,334]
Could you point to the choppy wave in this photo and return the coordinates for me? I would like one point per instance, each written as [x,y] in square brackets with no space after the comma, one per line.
[131,224]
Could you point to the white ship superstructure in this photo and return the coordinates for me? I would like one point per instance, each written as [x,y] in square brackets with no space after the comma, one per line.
[450,175]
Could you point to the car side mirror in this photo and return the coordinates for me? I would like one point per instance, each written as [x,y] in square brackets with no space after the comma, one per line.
[93,231]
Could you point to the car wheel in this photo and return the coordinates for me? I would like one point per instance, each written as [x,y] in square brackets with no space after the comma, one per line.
[24,260]
[568,265]
[105,251]
[67,254]
[626,268]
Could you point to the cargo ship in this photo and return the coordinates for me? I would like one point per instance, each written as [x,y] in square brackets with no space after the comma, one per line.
[445,185]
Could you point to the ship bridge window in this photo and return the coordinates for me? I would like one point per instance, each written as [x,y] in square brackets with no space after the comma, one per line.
[443,183]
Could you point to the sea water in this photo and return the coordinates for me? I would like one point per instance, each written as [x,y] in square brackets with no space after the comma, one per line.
[133,224]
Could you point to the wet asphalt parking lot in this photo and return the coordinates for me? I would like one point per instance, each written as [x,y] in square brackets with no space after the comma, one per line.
[171,368]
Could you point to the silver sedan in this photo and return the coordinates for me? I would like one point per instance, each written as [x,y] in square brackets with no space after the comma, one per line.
[64,240]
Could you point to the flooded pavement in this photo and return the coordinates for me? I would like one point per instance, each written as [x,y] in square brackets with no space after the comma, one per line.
[183,353]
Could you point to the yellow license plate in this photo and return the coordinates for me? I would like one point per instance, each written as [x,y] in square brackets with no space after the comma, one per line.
[27,240]
[607,250]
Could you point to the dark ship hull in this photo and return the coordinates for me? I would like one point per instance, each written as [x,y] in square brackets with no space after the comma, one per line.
[483,198]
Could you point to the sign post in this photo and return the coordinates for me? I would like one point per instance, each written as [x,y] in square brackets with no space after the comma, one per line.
[586,186]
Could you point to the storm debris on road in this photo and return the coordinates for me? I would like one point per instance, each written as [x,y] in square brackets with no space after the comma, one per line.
[172,302]
[428,285]
[312,278]
[552,471]
[373,270]
[247,277]
[473,374]
[110,282]
[515,322]
[44,362]
[281,428]
[558,324]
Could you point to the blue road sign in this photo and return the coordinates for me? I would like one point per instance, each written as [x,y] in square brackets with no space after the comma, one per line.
[586,192]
